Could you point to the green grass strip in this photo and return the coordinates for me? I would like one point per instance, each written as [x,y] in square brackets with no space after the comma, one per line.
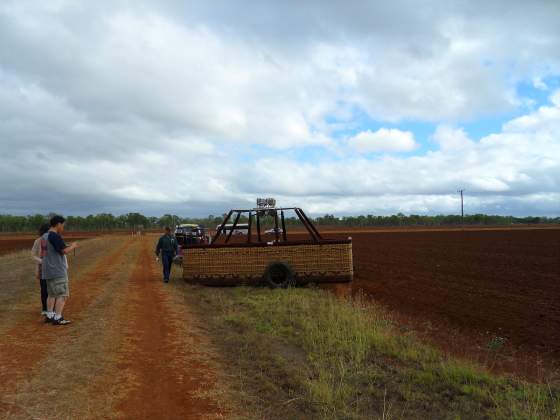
[303,353]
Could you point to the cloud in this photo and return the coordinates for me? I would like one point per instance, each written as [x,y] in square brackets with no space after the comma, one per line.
[194,107]
[538,83]
[546,118]
[383,140]
[450,138]
[516,170]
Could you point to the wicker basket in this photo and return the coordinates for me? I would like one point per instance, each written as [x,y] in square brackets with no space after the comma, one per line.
[311,262]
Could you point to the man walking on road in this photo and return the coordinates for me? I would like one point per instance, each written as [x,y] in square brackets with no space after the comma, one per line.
[55,271]
[168,247]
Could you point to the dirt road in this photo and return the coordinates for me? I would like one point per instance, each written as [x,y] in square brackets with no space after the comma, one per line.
[134,350]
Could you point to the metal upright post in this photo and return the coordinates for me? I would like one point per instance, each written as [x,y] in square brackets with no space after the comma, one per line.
[276,233]
[284,234]
[258,226]
[249,225]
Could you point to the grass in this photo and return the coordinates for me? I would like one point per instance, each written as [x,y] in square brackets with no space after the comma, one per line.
[302,353]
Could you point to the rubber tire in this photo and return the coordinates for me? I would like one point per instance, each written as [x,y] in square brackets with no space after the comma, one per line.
[271,275]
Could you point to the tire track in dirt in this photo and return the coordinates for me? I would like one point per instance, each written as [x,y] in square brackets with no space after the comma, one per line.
[29,340]
[165,378]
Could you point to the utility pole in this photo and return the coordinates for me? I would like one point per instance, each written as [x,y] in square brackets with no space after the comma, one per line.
[462,212]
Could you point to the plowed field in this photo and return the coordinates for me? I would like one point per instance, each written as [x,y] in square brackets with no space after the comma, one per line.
[15,242]
[463,289]
[488,294]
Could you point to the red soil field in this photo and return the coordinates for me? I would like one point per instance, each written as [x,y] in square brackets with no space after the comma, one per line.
[460,289]
[11,245]
[18,241]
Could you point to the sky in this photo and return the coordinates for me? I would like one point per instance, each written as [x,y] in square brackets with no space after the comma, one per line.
[340,107]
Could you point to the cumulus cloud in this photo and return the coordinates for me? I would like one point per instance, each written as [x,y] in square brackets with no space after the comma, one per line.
[538,83]
[452,138]
[383,140]
[195,106]
[546,118]
[517,168]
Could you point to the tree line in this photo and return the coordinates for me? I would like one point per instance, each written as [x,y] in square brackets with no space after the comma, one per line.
[436,220]
[134,221]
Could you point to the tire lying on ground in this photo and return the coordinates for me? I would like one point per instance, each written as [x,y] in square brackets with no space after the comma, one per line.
[279,275]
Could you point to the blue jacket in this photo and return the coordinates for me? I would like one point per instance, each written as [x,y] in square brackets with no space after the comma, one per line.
[167,244]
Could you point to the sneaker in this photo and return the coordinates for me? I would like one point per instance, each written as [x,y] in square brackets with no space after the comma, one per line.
[60,321]
[48,320]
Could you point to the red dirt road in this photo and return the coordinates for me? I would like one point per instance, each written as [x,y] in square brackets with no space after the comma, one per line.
[19,353]
[134,349]
[462,288]
[159,364]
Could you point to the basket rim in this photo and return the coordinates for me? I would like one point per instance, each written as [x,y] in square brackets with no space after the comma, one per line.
[267,245]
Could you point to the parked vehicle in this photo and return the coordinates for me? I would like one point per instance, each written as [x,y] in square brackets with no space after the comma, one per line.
[240,228]
[189,234]
[273,231]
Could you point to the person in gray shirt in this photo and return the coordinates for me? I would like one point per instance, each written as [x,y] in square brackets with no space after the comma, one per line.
[55,271]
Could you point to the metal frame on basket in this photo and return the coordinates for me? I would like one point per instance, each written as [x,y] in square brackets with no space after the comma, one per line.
[279,219]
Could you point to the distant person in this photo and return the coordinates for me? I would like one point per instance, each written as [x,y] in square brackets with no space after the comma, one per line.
[37,253]
[55,271]
[168,247]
